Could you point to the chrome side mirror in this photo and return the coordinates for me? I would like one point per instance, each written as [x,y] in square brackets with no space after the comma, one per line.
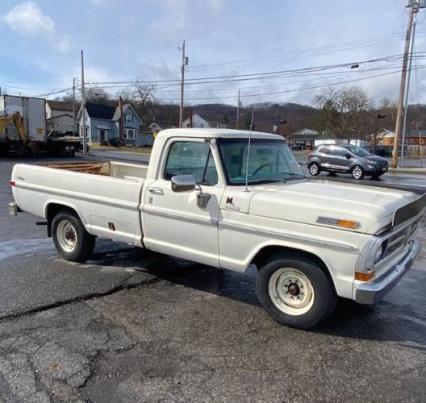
[183,183]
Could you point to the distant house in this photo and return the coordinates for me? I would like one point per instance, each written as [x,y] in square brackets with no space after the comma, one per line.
[414,141]
[131,124]
[195,120]
[303,139]
[103,124]
[384,137]
[59,117]
[154,127]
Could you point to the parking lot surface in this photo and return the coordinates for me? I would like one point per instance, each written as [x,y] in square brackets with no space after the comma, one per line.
[131,325]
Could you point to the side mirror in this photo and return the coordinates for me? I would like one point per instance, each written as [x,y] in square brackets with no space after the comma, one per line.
[348,156]
[183,183]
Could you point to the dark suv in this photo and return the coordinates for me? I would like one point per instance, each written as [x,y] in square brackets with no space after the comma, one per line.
[346,158]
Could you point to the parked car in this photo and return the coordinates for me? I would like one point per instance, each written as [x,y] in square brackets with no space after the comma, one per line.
[346,158]
[311,241]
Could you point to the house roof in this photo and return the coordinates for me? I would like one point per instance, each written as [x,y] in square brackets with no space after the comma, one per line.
[194,117]
[126,107]
[61,106]
[100,111]
[306,132]
[60,116]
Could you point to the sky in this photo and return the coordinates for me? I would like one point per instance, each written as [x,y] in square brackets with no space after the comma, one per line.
[128,40]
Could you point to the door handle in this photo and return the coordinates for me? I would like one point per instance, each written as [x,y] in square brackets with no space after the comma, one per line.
[156,191]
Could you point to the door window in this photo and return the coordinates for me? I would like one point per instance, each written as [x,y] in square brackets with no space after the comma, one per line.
[191,158]
[339,152]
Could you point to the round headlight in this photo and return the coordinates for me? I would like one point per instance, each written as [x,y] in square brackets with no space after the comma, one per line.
[378,255]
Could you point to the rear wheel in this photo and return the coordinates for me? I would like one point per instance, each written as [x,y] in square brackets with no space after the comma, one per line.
[314,169]
[357,172]
[295,291]
[71,239]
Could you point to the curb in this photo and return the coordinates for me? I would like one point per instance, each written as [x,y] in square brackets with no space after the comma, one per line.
[416,171]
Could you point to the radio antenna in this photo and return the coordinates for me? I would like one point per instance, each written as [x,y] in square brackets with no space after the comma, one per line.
[248,149]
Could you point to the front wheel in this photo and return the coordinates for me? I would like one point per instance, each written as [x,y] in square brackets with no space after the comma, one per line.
[295,291]
[71,239]
[314,169]
[357,172]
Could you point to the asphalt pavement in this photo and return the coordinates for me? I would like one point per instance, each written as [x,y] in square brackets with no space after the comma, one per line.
[131,325]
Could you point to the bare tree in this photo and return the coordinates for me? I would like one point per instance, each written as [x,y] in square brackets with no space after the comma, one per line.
[343,111]
[98,95]
[144,93]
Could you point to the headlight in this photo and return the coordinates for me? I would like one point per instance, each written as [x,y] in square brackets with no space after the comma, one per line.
[379,254]
[371,162]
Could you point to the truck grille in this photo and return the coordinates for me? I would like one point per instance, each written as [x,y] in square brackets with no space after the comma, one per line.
[399,240]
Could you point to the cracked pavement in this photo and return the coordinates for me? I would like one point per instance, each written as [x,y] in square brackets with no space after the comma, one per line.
[131,325]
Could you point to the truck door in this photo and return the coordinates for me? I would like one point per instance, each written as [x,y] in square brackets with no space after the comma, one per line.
[174,223]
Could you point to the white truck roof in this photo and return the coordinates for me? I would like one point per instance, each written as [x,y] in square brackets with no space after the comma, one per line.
[217,133]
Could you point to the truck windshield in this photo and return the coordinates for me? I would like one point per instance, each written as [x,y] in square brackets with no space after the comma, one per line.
[269,161]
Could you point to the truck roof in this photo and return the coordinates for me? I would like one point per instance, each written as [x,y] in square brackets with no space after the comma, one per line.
[217,133]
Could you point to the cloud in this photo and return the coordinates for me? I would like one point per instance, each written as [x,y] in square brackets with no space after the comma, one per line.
[28,20]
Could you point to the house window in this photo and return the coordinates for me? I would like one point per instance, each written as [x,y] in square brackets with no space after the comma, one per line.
[130,134]
[129,119]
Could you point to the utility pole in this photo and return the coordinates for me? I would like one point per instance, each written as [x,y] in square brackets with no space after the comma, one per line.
[121,122]
[237,125]
[407,91]
[414,6]
[74,121]
[182,83]
[83,106]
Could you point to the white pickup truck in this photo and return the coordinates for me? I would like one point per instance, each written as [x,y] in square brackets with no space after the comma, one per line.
[231,199]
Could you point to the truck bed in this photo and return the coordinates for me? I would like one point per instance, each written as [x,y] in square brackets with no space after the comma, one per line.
[122,170]
[106,196]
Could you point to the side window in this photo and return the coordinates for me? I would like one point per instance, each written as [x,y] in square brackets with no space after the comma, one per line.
[340,152]
[191,158]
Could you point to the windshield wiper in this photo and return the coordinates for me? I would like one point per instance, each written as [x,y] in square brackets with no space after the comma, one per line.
[293,174]
[270,180]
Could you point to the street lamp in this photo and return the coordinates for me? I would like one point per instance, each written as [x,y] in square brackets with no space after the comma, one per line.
[379,116]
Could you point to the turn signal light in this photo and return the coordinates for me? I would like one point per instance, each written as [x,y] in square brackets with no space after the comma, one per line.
[364,276]
[12,183]
[338,222]
[347,224]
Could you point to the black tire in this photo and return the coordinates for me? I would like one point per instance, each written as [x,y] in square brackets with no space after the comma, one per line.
[321,304]
[314,169]
[357,172]
[81,248]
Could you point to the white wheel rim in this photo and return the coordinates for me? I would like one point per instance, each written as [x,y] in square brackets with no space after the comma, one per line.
[66,236]
[357,172]
[313,169]
[291,291]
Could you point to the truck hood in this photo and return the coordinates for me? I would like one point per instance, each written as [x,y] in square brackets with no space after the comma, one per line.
[304,202]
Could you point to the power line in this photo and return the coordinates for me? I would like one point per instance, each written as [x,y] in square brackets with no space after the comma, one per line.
[254,76]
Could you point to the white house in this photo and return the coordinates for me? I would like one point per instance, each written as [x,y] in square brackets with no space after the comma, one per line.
[195,120]
[59,117]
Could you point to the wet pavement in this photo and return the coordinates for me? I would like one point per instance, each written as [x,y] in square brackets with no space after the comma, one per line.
[131,325]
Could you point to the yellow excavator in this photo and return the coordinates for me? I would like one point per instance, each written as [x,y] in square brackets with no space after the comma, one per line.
[8,140]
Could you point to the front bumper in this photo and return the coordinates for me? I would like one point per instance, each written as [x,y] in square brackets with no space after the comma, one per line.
[371,292]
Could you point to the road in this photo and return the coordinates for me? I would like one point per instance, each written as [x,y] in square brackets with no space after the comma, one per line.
[130,325]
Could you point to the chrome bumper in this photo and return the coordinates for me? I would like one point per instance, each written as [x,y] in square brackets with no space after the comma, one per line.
[13,209]
[369,293]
